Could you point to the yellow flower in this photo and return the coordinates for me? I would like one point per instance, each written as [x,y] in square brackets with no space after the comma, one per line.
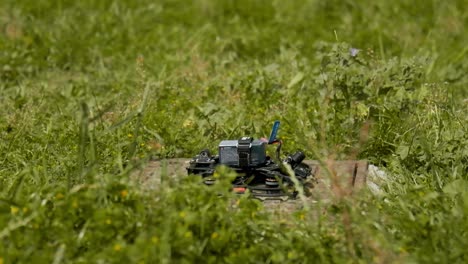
[14,210]
[154,239]
[188,123]
[214,235]
[108,221]
[1,260]
[129,135]
[188,234]
[117,247]
[182,214]
[124,193]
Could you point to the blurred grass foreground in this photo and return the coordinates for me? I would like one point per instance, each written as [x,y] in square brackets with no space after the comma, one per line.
[92,90]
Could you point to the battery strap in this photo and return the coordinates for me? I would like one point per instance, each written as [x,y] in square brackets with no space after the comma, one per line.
[243,150]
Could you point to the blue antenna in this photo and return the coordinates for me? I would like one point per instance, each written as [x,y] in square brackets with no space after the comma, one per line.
[274,132]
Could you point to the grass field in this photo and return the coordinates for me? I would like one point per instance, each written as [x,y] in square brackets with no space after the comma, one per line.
[92,90]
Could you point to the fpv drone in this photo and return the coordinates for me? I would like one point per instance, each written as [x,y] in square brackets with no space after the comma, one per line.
[264,177]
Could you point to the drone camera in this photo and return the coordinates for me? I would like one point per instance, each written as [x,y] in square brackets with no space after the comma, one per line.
[245,152]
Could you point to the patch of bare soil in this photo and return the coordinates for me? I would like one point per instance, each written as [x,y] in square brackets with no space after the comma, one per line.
[335,179]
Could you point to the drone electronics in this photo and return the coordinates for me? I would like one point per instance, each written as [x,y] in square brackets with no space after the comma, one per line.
[261,175]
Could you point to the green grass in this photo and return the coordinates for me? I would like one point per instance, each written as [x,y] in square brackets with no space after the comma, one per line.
[92,90]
